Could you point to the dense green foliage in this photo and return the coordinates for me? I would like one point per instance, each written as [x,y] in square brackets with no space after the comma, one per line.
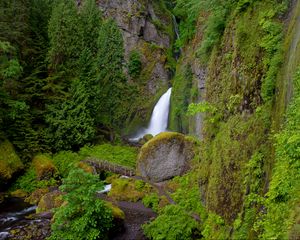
[135,64]
[65,161]
[173,223]
[62,81]
[66,84]
[84,216]
[282,199]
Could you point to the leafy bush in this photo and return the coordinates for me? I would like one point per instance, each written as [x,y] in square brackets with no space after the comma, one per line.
[64,161]
[188,13]
[214,28]
[84,216]
[151,201]
[29,182]
[173,223]
[135,64]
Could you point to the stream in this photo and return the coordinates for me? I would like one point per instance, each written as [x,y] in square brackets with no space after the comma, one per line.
[13,213]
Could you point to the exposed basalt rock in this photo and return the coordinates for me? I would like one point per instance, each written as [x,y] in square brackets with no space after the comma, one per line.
[137,19]
[165,156]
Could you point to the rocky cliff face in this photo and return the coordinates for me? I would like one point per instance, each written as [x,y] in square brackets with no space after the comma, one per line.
[142,24]
[189,86]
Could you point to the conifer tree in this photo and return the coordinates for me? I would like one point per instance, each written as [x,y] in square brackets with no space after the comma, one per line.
[110,74]
[65,35]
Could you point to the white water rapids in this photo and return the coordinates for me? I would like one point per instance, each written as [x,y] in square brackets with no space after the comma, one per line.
[159,119]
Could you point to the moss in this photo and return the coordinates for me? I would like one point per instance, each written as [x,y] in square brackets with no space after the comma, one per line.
[291,63]
[36,196]
[44,167]
[19,193]
[180,99]
[121,155]
[124,189]
[10,163]
[87,168]
[154,143]
[50,201]
[116,211]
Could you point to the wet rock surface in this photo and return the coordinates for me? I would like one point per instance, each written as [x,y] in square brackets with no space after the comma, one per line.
[17,221]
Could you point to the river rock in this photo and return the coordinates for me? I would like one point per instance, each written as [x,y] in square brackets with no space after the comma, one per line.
[165,156]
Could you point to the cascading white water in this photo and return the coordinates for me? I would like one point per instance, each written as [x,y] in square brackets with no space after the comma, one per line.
[160,115]
[159,118]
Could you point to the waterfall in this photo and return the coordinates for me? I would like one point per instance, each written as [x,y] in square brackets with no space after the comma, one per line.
[159,119]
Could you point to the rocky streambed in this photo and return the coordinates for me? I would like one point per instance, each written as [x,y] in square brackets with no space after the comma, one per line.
[18,221]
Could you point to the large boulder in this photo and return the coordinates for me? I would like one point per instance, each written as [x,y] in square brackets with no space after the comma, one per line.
[165,156]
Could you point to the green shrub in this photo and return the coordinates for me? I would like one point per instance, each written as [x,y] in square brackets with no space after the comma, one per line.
[64,161]
[151,201]
[173,223]
[135,64]
[29,182]
[84,216]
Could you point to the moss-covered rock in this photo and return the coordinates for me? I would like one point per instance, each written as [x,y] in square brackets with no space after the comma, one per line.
[116,211]
[165,156]
[44,167]
[145,139]
[87,168]
[125,189]
[36,196]
[50,201]
[10,163]
[19,193]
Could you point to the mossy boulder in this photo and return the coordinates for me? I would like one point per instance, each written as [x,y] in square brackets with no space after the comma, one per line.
[126,189]
[19,193]
[116,211]
[10,163]
[44,167]
[87,168]
[165,156]
[50,201]
[145,139]
[36,196]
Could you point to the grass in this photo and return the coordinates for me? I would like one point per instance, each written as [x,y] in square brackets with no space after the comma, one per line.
[121,155]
